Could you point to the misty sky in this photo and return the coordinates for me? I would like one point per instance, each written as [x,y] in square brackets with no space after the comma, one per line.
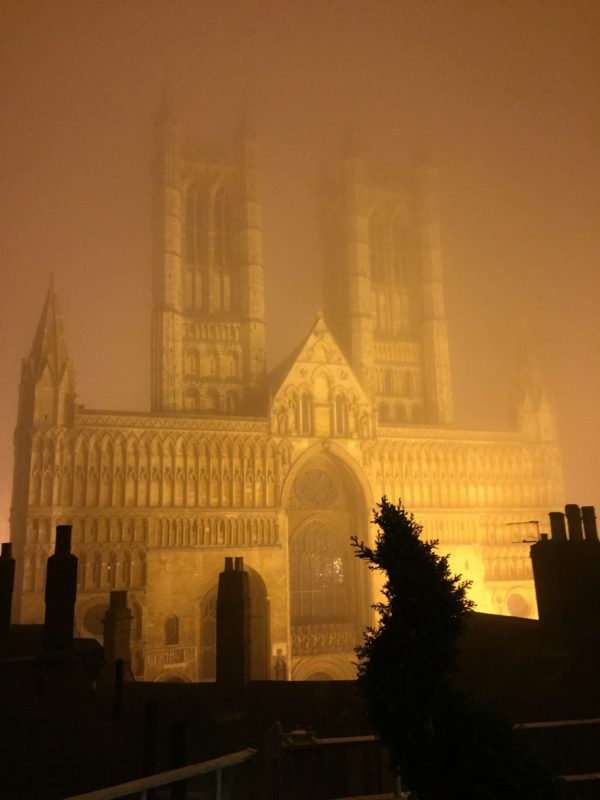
[505,94]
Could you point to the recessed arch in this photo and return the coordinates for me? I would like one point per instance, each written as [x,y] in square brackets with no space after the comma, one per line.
[330,594]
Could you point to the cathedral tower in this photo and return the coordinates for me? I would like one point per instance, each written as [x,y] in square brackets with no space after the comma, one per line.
[208,323]
[383,292]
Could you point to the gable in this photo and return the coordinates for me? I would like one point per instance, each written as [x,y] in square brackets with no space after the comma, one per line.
[316,393]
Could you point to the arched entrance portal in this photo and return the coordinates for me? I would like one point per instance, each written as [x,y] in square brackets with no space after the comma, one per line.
[329,596]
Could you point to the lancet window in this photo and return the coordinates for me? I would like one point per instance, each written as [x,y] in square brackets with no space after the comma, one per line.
[340,416]
[376,248]
[305,422]
[172,630]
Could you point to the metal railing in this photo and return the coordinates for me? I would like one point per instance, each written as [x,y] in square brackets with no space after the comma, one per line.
[140,786]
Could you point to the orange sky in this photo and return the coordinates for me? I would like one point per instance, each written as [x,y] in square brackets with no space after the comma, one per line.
[505,94]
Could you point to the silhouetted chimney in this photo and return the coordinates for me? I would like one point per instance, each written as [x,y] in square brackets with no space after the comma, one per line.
[233,628]
[588,516]
[117,634]
[573,515]
[567,582]
[61,593]
[7,582]
[557,526]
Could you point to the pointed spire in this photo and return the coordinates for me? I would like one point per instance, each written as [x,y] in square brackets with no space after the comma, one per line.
[49,344]
[532,408]
[530,389]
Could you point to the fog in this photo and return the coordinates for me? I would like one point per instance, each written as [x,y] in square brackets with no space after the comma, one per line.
[505,95]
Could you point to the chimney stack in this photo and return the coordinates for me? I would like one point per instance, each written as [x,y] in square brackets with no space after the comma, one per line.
[7,582]
[567,581]
[233,628]
[61,593]
[117,634]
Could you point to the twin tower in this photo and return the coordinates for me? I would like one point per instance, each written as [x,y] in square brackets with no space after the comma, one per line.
[381,282]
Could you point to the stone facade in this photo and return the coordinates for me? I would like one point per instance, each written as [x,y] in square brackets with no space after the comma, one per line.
[282,468]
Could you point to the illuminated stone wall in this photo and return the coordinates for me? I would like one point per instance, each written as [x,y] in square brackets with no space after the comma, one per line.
[157,503]
[360,409]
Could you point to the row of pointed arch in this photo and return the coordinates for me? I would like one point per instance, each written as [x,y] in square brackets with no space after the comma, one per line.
[98,569]
[151,470]
[484,476]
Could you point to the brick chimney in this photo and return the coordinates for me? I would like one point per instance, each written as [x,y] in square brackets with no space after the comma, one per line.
[117,633]
[233,628]
[61,593]
[566,572]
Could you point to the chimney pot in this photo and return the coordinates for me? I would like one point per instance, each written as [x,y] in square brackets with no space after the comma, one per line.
[239,563]
[588,516]
[557,526]
[63,540]
[228,564]
[574,521]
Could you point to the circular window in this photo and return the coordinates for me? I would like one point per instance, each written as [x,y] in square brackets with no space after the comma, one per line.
[315,487]
[517,605]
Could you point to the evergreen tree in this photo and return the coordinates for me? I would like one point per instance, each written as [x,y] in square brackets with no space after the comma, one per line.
[441,744]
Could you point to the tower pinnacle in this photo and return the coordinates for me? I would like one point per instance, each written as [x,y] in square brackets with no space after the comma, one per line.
[49,349]
[47,391]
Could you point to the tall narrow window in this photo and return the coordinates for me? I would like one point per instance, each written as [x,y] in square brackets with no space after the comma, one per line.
[384,412]
[192,226]
[398,245]
[388,382]
[306,414]
[194,249]
[340,416]
[212,401]
[172,630]
[376,248]
[223,237]
[111,570]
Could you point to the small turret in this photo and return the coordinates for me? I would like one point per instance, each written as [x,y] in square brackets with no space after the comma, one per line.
[47,389]
[359,271]
[166,315]
[532,410]
[434,330]
[252,295]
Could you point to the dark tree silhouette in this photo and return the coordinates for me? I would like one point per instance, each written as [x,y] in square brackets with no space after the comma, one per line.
[441,744]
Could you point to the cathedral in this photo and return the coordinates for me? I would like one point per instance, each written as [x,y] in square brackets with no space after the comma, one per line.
[278,467]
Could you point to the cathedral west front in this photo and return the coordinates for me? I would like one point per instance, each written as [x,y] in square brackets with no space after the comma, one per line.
[280,467]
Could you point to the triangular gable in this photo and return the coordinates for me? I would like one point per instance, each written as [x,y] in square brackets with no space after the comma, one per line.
[318,349]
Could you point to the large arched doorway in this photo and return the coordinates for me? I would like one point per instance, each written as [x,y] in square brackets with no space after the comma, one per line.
[329,594]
